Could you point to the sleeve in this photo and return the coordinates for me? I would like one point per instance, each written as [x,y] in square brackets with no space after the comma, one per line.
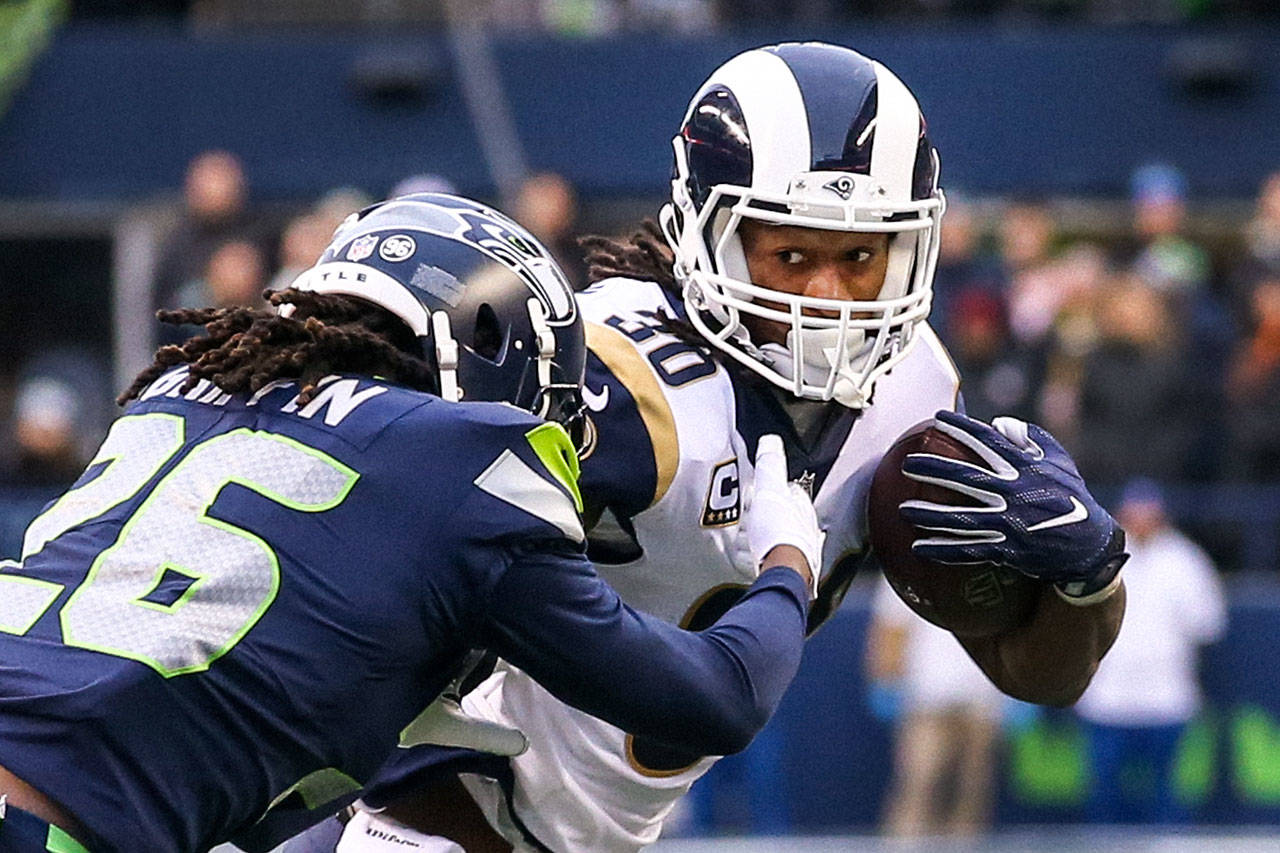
[544,608]
[709,692]
[527,491]
[632,456]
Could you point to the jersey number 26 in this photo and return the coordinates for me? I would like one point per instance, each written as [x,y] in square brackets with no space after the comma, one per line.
[225,576]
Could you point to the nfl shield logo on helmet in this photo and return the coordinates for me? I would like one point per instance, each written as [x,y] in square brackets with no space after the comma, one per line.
[362,247]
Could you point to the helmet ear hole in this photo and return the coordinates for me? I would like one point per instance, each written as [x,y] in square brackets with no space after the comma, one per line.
[487,340]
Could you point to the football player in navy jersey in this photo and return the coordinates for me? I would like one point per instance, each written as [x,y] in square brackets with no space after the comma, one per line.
[785,289]
[305,522]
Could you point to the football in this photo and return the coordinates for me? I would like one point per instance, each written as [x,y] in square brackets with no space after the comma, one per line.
[969,600]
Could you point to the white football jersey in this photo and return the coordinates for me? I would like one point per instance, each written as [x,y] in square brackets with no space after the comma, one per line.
[670,460]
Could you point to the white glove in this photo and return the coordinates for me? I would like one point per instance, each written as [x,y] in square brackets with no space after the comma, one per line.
[1019,434]
[780,513]
[445,723]
[375,833]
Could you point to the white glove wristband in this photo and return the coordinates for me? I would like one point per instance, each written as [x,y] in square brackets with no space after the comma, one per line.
[1093,597]
[375,833]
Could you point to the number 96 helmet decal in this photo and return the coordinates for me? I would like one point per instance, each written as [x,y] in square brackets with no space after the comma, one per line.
[816,136]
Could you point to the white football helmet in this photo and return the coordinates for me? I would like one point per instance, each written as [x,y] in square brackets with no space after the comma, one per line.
[816,136]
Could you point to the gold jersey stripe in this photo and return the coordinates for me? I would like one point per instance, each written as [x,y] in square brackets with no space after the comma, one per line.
[628,365]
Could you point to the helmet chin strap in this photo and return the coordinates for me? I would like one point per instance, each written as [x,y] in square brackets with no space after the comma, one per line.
[546,350]
[546,341]
[446,357]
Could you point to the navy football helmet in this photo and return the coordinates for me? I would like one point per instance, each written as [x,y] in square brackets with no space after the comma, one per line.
[816,136]
[493,313]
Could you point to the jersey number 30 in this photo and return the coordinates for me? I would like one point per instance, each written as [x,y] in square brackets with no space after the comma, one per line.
[225,577]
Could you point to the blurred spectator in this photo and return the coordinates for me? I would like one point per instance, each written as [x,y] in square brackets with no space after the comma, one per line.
[1068,287]
[1035,294]
[44,434]
[1026,235]
[303,241]
[948,719]
[1179,267]
[215,198]
[59,412]
[337,204]
[1261,256]
[307,235]
[1138,413]
[234,275]
[547,206]
[1253,392]
[1175,264]
[1146,690]
[1262,234]
[962,265]
[998,377]
[1166,256]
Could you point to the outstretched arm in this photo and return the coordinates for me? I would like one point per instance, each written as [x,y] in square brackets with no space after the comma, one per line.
[710,691]
[1052,658]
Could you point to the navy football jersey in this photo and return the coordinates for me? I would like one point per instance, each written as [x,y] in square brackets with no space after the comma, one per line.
[244,599]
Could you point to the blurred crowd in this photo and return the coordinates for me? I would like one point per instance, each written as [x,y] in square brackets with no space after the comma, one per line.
[221,250]
[595,17]
[1146,354]
[1143,350]
[950,725]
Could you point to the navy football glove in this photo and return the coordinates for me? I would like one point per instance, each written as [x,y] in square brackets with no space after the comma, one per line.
[1035,513]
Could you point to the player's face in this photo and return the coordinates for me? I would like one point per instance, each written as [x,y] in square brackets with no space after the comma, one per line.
[811,262]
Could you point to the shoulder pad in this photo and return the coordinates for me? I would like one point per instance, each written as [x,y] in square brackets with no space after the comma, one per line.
[531,467]
[933,363]
[621,296]
[633,451]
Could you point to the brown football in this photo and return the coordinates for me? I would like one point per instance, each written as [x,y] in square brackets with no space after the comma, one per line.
[976,600]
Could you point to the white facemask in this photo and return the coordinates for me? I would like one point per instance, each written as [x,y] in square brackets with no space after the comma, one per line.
[820,351]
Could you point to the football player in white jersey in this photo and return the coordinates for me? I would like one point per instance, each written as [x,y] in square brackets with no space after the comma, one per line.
[785,290]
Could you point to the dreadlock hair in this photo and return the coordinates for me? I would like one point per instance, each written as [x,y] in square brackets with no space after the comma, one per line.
[244,349]
[645,255]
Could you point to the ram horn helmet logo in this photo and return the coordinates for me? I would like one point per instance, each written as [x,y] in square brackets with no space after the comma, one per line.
[841,186]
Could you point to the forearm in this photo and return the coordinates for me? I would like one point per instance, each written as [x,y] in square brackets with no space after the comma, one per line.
[1051,659]
[709,692]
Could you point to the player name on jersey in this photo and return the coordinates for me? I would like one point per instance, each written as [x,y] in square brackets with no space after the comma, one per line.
[337,396]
